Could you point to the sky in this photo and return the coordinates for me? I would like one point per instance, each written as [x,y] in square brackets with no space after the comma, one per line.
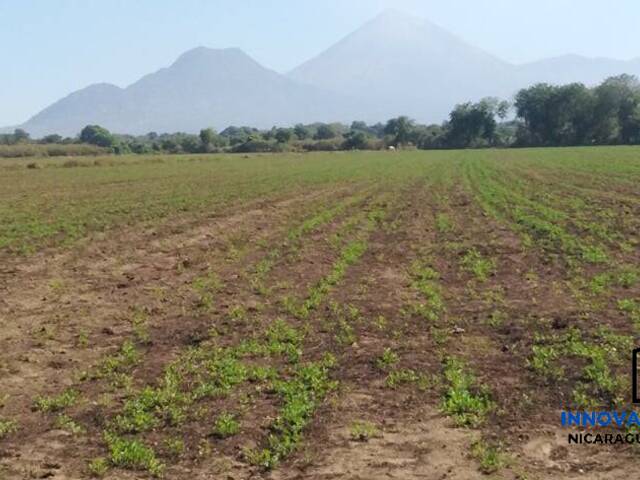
[53,47]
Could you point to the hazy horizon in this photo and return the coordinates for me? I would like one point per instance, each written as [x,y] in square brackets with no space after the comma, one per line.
[55,49]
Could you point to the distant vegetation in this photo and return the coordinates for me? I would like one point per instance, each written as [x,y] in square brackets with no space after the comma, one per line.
[50,150]
[545,115]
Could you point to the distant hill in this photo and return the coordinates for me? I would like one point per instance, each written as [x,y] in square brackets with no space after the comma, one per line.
[393,65]
[575,68]
[203,87]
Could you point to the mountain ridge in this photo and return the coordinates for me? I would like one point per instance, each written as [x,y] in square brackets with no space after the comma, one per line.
[203,87]
[394,64]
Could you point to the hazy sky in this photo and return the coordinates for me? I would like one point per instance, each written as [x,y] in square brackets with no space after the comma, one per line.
[53,47]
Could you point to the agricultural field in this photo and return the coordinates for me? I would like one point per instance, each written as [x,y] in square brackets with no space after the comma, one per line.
[416,314]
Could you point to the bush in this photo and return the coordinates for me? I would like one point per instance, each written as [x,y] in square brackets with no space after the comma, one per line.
[254,146]
[50,150]
[332,145]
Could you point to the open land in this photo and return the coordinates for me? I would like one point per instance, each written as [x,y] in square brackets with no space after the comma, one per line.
[414,314]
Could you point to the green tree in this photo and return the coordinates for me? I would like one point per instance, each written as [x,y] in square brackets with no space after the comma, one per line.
[555,115]
[170,145]
[302,132]
[20,136]
[191,144]
[325,132]
[97,135]
[474,124]
[400,129]
[617,110]
[283,135]
[431,136]
[53,138]
[360,126]
[356,140]
[207,138]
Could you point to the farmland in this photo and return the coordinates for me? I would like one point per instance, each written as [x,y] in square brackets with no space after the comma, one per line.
[414,314]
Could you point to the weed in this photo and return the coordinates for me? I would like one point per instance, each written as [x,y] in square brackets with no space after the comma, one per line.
[56,403]
[206,287]
[443,223]
[7,427]
[631,308]
[424,280]
[628,277]
[597,381]
[139,322]
[543,361]
[226,425]
[83,339]
[346,334]
[489,456]
[133,455]
[363,431]
[463,400]
[126,357]
[98,467]
[301,396]
[496,319]
[57,286]
[282,339]
[440,335]
[594,254]
[238,313]
[175,447]
[380,322]
[398,377]
[260,457]
[67,423]
[600,283]
[349,254]
[387,360]
[475,263]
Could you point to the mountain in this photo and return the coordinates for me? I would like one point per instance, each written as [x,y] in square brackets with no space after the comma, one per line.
[403,65]
[99,103]
[393,65]
[398,64]
[203,87]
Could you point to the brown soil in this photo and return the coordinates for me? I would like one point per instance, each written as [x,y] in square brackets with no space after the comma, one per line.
[62,311]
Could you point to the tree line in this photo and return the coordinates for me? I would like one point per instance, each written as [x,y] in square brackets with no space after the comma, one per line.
[541,115]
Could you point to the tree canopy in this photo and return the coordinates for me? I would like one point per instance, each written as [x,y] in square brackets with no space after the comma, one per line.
[540,115]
